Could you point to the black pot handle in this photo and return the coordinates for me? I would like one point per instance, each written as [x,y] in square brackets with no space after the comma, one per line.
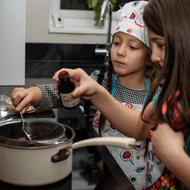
[63,154]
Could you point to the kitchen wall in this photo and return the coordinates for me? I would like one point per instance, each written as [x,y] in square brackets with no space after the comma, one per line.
[44,59]
[12,42]
[37,15]
[47,52]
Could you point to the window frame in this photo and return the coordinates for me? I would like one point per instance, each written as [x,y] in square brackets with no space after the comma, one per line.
[74,21]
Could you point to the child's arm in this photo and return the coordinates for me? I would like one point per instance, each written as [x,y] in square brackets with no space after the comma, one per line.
[124,119]
[169,147]
[23,98]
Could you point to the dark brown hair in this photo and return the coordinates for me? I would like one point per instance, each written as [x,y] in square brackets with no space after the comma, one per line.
[171,19]
[110,72]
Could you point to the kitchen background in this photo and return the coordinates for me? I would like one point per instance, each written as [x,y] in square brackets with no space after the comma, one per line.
[46,42]
[45,51]
[51,43]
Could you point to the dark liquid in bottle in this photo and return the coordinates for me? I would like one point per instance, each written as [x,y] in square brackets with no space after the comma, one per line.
[66,87]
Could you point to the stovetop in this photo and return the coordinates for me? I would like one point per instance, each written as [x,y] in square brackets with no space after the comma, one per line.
[64,184]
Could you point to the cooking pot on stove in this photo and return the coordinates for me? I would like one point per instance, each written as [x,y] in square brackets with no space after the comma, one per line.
[45,159]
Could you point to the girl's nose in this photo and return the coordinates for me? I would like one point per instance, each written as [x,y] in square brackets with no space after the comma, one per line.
[122,50]
[155,56]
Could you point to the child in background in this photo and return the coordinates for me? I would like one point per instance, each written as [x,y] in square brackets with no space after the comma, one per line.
[170,45]
[127,79]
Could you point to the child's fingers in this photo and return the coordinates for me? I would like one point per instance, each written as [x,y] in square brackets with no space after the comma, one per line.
[24,104]
[79,91]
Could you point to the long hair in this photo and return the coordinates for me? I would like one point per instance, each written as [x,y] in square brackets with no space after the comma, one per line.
[108,81]
[170,19]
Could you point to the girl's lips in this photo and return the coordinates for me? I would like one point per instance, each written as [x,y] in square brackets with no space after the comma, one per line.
[119,63]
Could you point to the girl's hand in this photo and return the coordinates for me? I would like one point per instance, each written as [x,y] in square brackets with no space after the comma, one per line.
[169,147]
[86,87]
[167,143]
[23,98]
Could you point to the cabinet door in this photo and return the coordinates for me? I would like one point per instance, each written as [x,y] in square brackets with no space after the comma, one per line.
[12,42]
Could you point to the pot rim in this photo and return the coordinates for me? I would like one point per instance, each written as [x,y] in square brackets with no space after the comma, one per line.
[37,144]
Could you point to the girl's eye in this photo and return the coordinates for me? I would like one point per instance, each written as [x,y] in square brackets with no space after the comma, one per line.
[116,43]
[134,47]
[161,46]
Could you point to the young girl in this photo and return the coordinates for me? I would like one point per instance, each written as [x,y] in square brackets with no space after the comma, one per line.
[126,81]
[170,47]
[168,24]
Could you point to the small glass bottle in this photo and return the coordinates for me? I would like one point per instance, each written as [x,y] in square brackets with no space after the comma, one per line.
[65,88]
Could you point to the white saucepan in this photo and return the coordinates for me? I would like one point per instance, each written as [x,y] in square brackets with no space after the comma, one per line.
[47,158]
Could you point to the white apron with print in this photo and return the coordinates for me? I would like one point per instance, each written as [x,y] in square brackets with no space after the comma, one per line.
[131,160]
[142,170]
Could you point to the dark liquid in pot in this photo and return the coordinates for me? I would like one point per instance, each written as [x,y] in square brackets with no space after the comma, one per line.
[38,131]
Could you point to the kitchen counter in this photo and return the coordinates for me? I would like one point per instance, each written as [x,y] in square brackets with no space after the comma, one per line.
[76,120]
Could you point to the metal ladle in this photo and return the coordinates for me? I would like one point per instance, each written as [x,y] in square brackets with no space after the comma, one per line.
[28,137]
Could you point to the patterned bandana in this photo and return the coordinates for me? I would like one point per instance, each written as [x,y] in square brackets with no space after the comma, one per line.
[130,21]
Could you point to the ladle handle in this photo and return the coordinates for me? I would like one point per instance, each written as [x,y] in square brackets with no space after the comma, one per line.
[27,135]
[122,142]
